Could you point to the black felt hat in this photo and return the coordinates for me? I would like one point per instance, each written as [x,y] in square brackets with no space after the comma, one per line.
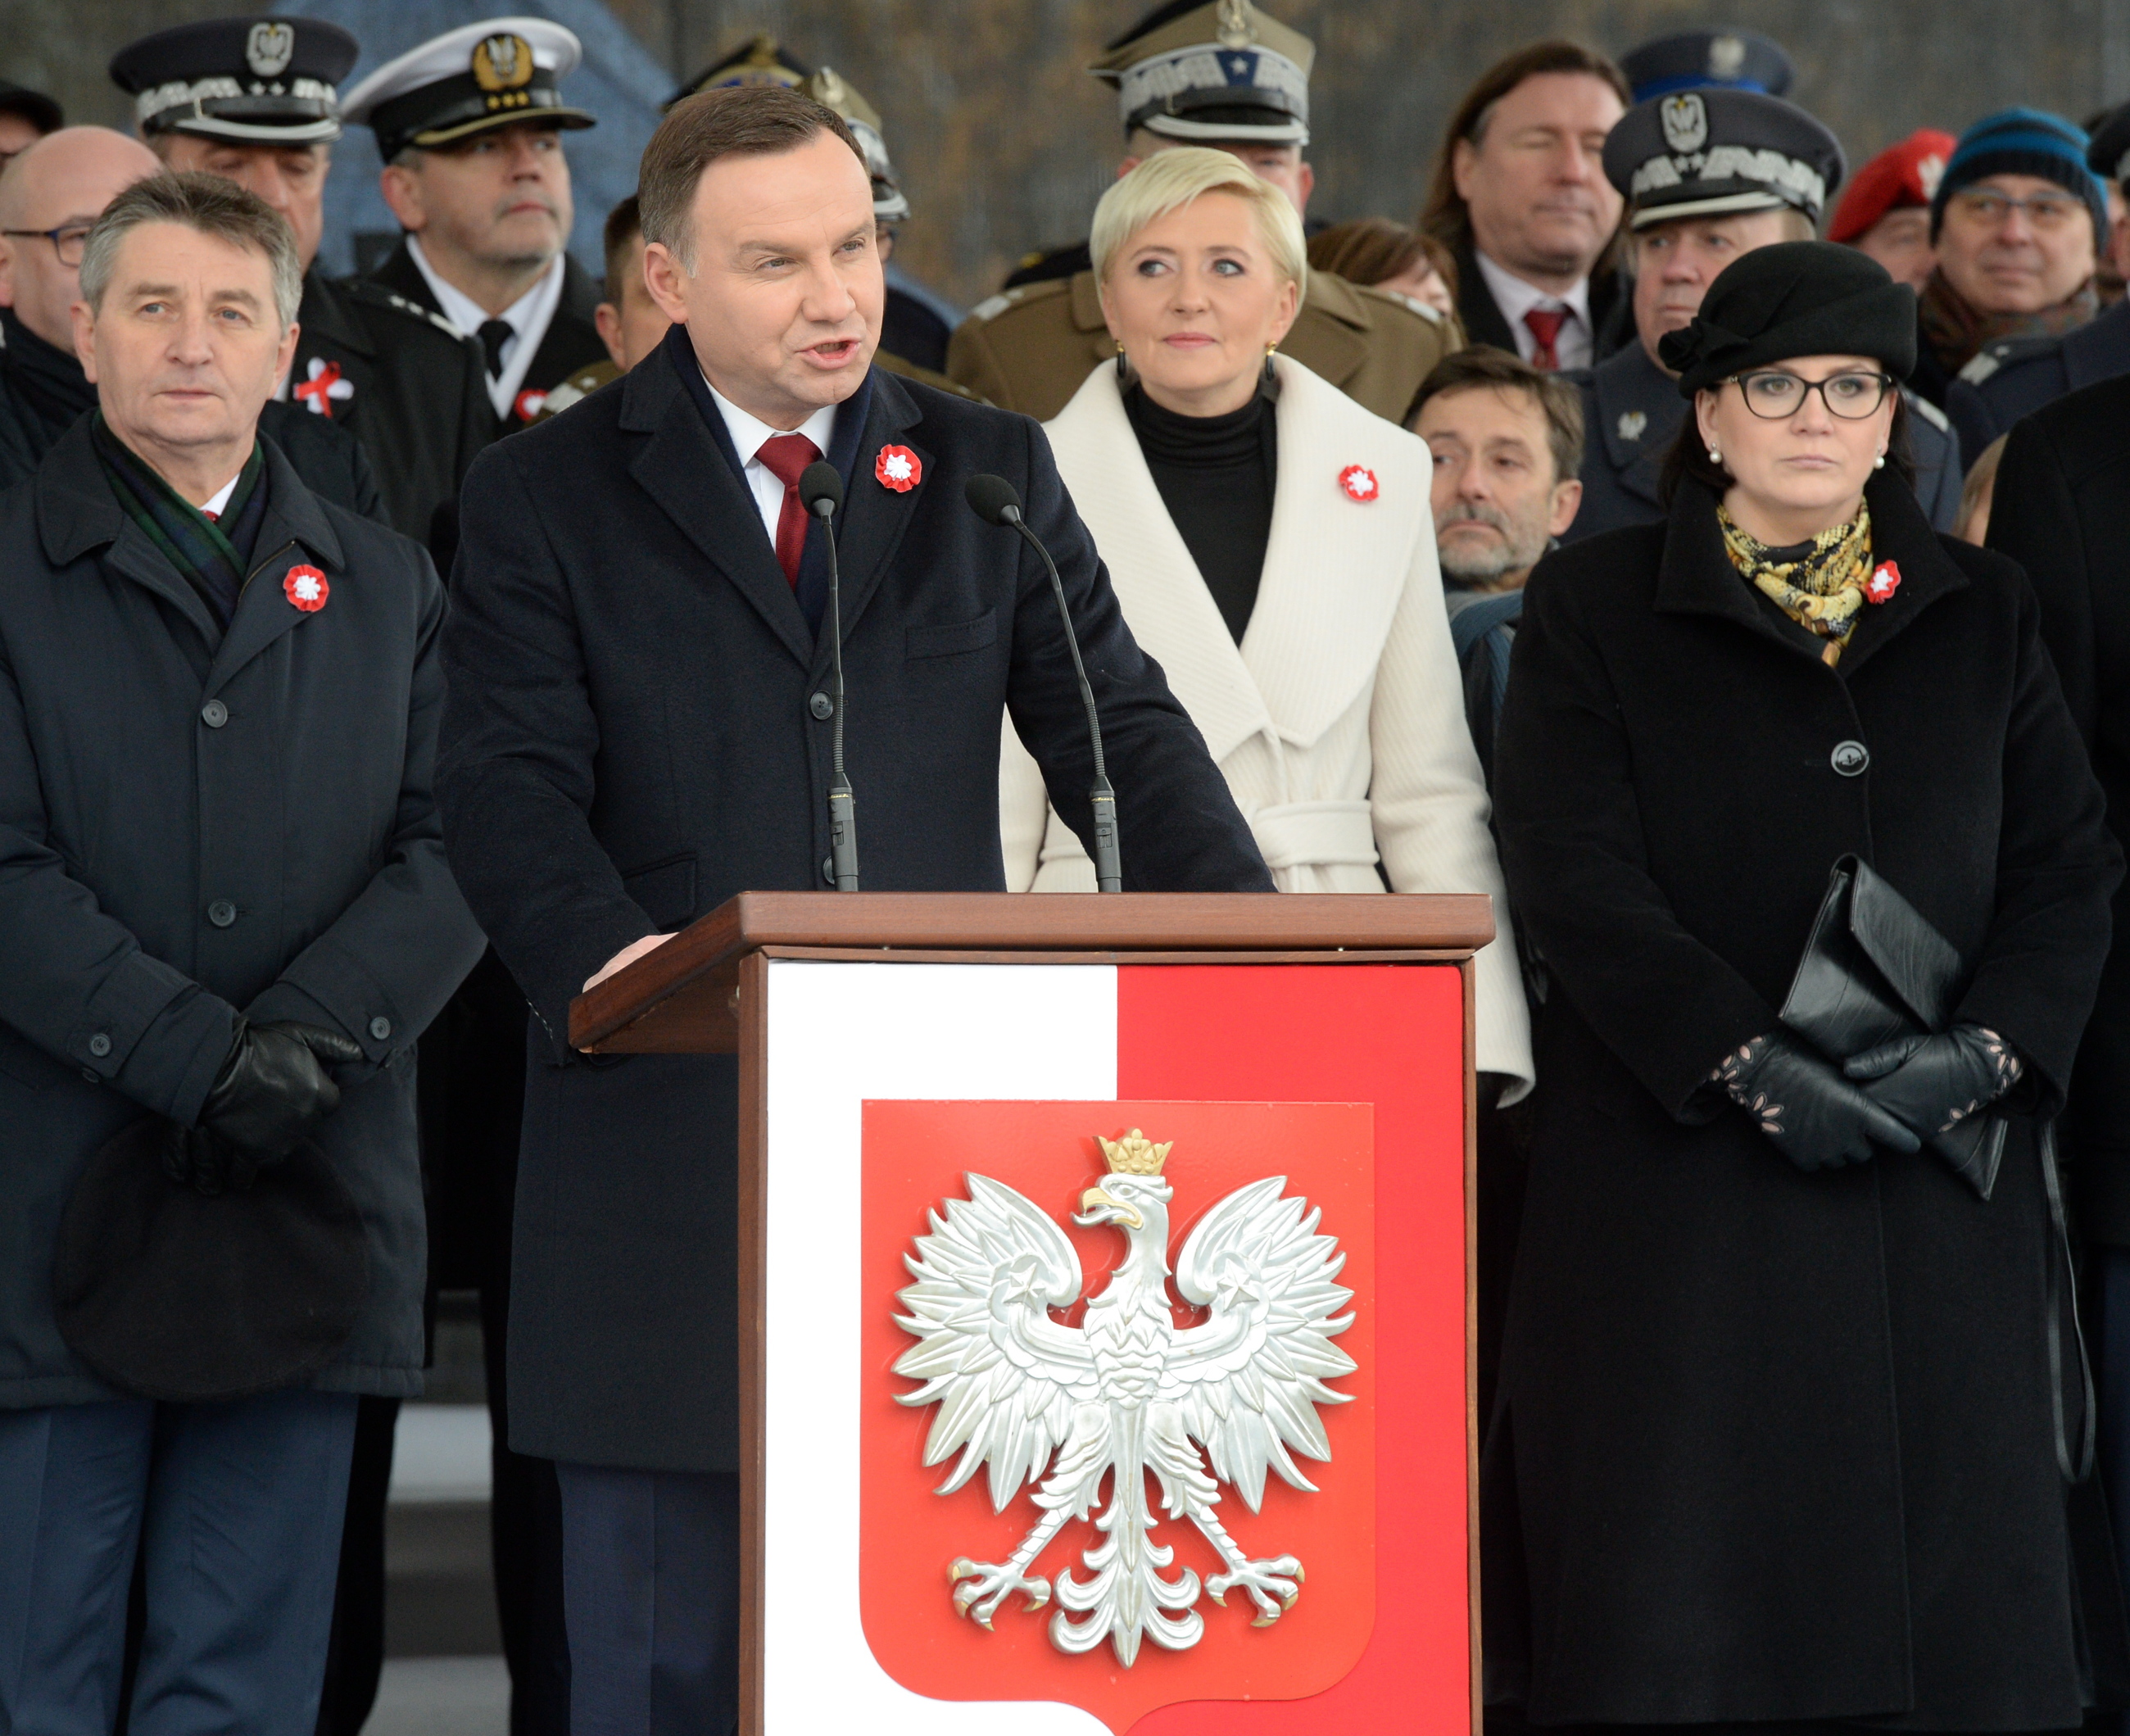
[167,1292]
[1794,299]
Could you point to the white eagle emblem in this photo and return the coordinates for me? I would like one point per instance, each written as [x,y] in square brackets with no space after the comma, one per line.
[1685,120]
[1129,1392]
[269,47]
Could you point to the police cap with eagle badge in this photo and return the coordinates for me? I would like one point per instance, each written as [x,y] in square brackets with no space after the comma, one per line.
[1715,153]
[1719,59]
[495,72]
[253,80]
[1200,69]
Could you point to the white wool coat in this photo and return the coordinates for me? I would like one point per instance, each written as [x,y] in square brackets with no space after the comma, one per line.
[1340,719]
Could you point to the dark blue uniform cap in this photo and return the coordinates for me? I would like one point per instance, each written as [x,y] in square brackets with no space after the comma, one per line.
[1711,153]
[1698,60]
[256,81]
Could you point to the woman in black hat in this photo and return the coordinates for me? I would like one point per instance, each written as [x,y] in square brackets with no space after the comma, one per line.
[1791,1432]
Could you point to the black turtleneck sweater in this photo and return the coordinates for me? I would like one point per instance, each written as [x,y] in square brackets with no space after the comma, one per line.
[1216,475]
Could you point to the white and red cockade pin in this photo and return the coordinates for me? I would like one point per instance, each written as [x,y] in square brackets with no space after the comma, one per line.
[305,587]
[1359,482]
[526,404]
[1886,580]
[324,388]
[899,468]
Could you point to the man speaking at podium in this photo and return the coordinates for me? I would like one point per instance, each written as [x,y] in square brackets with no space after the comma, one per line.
[640,726]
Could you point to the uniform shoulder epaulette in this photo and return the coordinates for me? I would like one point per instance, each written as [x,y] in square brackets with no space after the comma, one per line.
[2008,353]
[1369,294]
[1928,411]
[377,296]
[991,307]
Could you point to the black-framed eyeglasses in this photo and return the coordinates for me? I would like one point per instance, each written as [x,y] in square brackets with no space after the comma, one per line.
[66,241]
[1772,394]
[2047,211]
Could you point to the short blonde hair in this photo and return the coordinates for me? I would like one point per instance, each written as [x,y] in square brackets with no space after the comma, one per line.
[1168,180]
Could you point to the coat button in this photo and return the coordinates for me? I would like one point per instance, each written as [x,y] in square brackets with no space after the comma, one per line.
[214,714]
[221,913]
[1850,758]
[828,869]
[822,706]
[100,1046]
[380,1028]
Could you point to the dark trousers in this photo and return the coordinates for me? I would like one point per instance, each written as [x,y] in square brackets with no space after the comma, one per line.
[234,1512]
[651,1584]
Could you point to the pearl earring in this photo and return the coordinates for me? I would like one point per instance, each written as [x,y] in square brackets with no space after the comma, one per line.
[1714,456]
[1878,462]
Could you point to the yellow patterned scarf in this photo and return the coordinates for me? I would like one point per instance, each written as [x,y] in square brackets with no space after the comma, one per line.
[1819,585]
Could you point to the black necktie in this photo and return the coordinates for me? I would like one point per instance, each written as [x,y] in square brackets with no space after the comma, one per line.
[494,334]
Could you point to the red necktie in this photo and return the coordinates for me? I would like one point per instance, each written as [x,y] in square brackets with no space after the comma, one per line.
[1545,324]
[786,457]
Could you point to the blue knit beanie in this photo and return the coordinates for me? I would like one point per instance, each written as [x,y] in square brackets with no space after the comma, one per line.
[2024,141]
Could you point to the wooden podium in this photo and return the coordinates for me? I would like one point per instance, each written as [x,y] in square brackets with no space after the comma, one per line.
[949,1093]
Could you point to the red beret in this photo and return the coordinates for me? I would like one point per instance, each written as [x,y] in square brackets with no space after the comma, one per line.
[1905,173]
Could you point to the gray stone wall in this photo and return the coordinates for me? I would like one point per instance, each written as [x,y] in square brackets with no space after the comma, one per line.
[1005,142]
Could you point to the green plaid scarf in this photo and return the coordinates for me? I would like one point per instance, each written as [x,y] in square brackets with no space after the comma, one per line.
[211,558]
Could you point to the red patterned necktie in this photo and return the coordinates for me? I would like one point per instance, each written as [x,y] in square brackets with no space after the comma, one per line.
[786,457]
[1545,324]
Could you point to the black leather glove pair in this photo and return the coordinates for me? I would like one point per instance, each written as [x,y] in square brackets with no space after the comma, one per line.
[1933,1083]
[272,1092]
[1817,1119]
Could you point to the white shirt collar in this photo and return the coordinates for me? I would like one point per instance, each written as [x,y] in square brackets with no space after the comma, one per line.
[747,434]
[218,503]
[1516,298]
[528,317]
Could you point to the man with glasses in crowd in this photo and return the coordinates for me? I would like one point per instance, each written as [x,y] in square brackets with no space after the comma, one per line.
[2018,220]
[2015,377]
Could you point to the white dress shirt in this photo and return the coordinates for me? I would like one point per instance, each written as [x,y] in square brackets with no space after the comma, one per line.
[218,503]
[528,317]
[1576,347]
[748,435]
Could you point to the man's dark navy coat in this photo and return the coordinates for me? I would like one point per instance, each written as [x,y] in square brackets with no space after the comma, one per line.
[635,734]
[194,824]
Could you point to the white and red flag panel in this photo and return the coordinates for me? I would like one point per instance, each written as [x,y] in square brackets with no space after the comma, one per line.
[1115,1322]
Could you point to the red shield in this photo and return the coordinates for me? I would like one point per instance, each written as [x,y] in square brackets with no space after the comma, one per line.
[917,1158]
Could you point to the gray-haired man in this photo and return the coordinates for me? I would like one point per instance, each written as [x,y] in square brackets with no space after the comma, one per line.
[228,918]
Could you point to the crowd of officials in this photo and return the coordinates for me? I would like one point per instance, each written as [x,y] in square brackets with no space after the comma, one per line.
[1712,555]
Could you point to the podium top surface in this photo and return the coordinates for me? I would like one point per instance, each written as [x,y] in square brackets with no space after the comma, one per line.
[673,995]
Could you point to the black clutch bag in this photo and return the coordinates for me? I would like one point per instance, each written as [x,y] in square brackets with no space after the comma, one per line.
[169,1293]
[1874,970]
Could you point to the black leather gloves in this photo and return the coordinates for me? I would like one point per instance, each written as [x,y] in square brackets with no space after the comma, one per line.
[1933,1083]
[1817,1118]
[270,1093]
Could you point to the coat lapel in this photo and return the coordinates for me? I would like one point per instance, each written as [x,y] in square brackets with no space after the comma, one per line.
[681,468]
[77,512]
[294,530]
[1901,534]
[1163,596]
[875,517]
[1335,567]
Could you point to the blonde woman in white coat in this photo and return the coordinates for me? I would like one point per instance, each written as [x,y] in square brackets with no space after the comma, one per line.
[1271,545]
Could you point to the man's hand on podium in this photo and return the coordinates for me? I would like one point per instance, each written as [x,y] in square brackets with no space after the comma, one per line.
[626,956]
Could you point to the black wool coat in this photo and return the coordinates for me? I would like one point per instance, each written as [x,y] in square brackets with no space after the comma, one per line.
[2012,379]
[1771,1445]
[195,825]
[636,732]
[2062,501]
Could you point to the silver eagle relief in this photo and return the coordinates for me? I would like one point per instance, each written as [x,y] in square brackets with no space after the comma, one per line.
[1128,1394]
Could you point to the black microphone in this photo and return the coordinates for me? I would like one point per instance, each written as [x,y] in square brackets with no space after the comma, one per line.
[821,491]
[992,499]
